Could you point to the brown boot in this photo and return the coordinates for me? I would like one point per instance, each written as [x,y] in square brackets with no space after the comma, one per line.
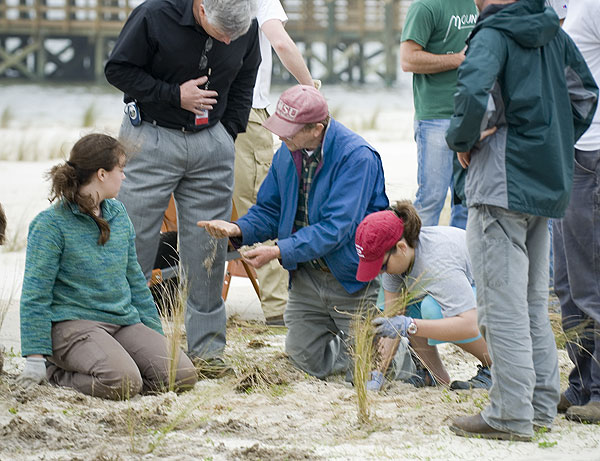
[475,426]
[588,413]
[563,403]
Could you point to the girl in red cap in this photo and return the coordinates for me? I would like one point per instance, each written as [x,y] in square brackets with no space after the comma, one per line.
[433,263]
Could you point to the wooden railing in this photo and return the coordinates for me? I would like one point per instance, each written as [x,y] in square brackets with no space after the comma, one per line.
[106,17]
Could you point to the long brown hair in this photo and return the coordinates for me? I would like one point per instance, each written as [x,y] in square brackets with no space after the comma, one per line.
[88,155]
[412,222]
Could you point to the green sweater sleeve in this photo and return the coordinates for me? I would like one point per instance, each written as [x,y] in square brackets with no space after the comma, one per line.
[44,249]
[141,298]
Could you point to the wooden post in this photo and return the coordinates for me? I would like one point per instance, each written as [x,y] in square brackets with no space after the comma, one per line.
[389,41]
[99,55]
[331,41]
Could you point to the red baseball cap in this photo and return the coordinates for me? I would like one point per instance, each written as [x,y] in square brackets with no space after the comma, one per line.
[375,236]
[297,106]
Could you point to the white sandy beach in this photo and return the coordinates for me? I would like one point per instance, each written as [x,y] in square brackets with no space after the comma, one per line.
[294,416]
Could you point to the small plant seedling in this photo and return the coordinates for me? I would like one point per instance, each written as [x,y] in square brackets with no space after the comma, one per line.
[547,444]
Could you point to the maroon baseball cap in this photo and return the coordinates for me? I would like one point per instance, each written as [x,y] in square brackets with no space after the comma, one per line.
[297,106]
[375,236]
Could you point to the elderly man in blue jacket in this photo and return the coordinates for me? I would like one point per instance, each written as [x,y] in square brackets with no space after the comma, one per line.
[323,181]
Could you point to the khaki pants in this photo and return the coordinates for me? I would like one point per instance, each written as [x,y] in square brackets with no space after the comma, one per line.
[113,361]
[253,156]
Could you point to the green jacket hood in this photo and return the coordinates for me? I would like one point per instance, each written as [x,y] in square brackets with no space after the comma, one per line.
[527,22]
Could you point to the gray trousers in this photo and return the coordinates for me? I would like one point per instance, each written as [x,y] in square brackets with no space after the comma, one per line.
[509,253]
[577,277]
[111,361]
[318,316]
[198,169]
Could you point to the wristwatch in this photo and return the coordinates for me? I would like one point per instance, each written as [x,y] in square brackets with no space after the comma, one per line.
[412,328]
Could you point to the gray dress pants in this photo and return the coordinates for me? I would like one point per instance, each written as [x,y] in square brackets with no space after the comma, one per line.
[198,169]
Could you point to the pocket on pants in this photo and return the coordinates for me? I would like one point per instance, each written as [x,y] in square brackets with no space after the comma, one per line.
[496,247]
[74,349]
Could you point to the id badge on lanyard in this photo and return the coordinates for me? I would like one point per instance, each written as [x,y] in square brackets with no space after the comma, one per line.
[202,118]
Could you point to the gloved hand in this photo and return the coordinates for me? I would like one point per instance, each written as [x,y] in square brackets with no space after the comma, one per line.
[33,373]
[376,381]
[392,327]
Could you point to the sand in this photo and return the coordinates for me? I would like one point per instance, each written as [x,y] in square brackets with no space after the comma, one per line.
[288,415]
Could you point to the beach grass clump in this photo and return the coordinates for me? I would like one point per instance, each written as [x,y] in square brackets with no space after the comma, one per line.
[362,353]
[171,306]
[8,293]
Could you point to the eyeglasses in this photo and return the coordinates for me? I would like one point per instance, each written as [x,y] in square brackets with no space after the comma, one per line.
[203,64]
[387,260]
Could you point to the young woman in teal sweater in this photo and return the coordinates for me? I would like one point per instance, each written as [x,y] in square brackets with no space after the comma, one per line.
[88,320]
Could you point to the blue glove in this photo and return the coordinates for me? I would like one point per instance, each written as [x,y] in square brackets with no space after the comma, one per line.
[392,327]
[376,381]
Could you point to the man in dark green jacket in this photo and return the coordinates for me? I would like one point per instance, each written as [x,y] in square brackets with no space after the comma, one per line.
[524,96]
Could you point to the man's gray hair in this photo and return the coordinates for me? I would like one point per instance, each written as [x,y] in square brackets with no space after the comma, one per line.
[232,17]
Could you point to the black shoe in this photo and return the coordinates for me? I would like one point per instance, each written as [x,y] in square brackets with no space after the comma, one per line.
[276,321]
[482,380]
[422,376]
[214,367]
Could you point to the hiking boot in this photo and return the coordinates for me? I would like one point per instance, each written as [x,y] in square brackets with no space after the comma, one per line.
[422,376]
[211,368]
[276,321]
[482,380]
[541,428]
[588,413]
[475,426]
[563,403]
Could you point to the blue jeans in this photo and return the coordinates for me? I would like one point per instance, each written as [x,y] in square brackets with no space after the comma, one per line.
[434,175]
[509,254]
[576,277]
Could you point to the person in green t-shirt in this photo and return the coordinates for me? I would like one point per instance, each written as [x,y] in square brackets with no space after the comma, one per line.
[433,46]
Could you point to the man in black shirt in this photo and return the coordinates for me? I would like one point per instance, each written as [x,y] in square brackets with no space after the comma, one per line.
[187,68]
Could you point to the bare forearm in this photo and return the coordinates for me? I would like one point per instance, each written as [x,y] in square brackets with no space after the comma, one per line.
[286,49]
[290,57]
[447,329]
[416,60]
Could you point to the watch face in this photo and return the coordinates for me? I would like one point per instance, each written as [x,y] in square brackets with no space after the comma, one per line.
[412,328]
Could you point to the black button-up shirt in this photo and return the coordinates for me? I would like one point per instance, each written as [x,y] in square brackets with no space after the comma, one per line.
[160,48]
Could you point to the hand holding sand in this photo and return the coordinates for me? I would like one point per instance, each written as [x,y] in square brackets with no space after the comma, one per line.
[261,255]
[219,229]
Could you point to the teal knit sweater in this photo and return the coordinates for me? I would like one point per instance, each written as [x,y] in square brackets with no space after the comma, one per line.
[69,276]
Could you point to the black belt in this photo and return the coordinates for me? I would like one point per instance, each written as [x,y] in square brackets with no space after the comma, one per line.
[172,127]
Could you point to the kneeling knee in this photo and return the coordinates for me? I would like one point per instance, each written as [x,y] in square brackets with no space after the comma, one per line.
[121,385]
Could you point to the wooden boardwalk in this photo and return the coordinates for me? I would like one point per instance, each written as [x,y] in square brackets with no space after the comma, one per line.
[349,40]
